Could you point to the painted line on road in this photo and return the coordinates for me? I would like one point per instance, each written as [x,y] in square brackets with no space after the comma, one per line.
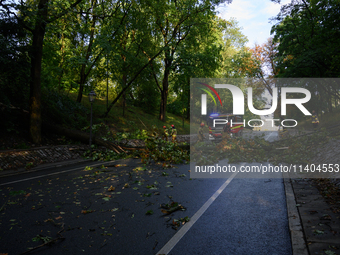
[267,137]
[178,236]
[40,176]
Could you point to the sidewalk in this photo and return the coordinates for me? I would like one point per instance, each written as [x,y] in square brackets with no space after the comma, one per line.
[314,228]
[45,166]
[19,159]
[29,158]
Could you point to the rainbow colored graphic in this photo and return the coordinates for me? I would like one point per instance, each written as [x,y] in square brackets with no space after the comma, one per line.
[209,93]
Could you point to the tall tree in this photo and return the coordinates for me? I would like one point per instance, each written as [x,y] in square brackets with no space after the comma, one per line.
[265,63]
[174,21]
[14,67]
[103,23]
[307,32]
[34,18]
[200,55]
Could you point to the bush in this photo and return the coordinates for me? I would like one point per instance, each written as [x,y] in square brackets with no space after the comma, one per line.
[176,107]
[59,109]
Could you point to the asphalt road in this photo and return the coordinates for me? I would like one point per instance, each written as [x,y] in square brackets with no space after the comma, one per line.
[244,216]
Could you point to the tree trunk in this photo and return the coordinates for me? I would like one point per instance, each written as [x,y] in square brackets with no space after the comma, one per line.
[183,120]
[330,108]
[83,74]
[189,102]
[129,84]
[124,98]
[81,84]
[62,49]
[124,94]
[165,91]
[85,137]
[35,83]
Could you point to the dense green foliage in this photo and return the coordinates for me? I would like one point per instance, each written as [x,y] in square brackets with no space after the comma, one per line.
[156,148]
[14,63]
[308,33]
[159,150]
[143,54]
[133,52]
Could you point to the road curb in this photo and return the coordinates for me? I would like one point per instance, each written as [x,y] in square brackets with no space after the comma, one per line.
[298,242]
[44,167]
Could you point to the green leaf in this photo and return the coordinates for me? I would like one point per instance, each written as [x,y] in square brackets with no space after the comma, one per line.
[16,192]
[150,212]
[318,232]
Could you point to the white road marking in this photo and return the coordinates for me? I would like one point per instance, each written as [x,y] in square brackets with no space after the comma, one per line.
[267,137]
[178,236]
[40,176]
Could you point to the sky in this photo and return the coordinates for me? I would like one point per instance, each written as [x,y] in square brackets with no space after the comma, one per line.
[253,16]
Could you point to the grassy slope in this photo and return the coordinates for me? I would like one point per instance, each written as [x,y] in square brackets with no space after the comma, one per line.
[135,118]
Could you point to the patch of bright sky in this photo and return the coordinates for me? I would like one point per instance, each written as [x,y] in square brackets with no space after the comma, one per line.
[253,17]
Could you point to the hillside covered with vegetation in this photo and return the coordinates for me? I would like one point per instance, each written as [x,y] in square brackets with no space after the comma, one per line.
[139,56]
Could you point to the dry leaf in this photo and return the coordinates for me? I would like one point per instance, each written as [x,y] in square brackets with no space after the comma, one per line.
[111,188]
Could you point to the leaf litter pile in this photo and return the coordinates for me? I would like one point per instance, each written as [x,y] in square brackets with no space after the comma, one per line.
[94,205]
[330,191]
[156,149]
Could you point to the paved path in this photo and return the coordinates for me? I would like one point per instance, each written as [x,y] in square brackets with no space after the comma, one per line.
[28,158]
[248,217]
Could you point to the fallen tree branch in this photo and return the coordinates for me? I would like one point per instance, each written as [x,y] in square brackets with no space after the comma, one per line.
[83,137]
[49,242]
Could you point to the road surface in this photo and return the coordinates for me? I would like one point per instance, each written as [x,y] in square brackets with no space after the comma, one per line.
[74,206]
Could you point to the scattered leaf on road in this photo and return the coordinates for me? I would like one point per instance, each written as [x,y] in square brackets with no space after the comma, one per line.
[151,186]
[87,211]
[111,188]
[318,232]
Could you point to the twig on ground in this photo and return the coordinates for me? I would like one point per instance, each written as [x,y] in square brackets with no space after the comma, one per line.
[47,243]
